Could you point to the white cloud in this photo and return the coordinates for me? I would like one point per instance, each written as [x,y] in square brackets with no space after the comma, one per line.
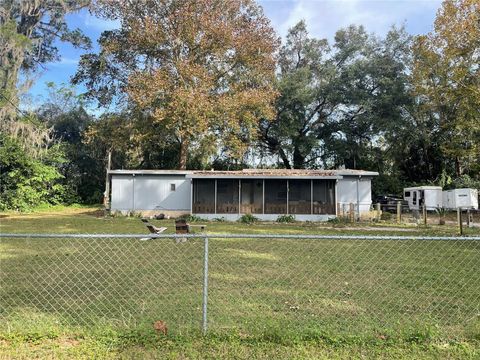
[63,62]
[325,17]
[98,23]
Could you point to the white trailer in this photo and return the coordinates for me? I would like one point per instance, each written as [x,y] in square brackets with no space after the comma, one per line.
[460,198]
[416,197]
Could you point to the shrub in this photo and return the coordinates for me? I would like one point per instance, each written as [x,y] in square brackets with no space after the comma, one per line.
[27,182]
[286,219]
[191,218]
[248,219]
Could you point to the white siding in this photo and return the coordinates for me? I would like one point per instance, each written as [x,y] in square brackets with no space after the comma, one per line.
[347,192]
[460,198]
[122,192]
[150,192]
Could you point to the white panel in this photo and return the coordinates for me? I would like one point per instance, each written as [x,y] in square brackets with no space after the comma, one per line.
[155,193]
[265,217]
[347,192]
[433,199]
[122,192]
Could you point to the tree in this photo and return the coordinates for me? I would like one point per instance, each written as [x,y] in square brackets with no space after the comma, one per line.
[28,31]
[200,70]
[84,169]
[306,99]
[446,76]
[373,90]
[340,105]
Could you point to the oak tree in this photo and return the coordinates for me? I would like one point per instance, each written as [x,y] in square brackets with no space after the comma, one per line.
[201,69]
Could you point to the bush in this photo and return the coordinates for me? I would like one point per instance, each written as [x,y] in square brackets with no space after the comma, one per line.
[286,219]
[27,182]
[248,219]
[191,218]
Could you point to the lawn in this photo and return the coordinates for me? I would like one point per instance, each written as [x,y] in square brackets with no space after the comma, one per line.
[279,298]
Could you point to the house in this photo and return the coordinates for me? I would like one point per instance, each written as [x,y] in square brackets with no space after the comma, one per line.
[313,195]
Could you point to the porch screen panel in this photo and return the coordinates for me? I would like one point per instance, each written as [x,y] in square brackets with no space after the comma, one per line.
[324,197]
[251,197]
[275,196]
[203,196]
[227,196]
[299,197]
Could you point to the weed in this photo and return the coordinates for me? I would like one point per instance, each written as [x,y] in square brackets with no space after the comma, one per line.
[286,219]
[191,218]
[248,219]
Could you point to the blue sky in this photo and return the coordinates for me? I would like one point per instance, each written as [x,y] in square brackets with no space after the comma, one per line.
[323,18]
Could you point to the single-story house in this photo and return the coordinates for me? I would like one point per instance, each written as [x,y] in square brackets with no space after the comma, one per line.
[313,195]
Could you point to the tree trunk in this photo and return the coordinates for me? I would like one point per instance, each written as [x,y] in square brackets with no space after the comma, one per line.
[458,168]
[298,159]
[182,161]
[284,158]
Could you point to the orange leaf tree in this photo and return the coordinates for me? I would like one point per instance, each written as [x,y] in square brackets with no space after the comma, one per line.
[446,78]
[201,69]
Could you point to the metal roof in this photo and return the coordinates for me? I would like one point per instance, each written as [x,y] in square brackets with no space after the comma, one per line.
[424,187]
[149,172]
[252,173]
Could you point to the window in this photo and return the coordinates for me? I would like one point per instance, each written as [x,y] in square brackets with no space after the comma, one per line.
[251,197]
[414,198]
[227,196]
[324,197]
[172,187]
[407,194]
[203,196]
[275,196]
[299,197]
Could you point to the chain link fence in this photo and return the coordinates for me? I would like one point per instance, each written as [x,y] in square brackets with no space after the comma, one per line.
[248,284]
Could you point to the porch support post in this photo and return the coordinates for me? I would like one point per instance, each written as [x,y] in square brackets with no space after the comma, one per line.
[311,196]
[288,190]
[239,194]
[263,196]
[215,201]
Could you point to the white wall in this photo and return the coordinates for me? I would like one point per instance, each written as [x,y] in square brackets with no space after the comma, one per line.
[347,192]
[266,217]
[150,192]
[122,192]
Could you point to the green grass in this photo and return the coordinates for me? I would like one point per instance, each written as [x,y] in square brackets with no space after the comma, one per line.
[82,298]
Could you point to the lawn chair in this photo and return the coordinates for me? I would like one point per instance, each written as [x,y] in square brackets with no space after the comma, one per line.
[182,227]
[152,228]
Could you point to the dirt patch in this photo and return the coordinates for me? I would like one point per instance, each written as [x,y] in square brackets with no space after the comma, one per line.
[68,342]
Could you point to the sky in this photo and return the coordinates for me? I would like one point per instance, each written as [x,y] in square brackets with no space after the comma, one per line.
[323,18]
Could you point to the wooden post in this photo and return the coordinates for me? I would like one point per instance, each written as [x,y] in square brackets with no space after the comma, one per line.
[424,213]
[399,212]
[378,211]
[468,218]
[459,219]
[352,212]
[106,195]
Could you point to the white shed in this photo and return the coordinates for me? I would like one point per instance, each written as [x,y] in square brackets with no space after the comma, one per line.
[460,198]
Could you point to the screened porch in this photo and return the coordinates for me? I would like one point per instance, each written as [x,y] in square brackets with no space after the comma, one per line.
[263,196]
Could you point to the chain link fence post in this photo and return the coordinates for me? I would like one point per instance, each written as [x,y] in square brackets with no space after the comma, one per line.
[205,287]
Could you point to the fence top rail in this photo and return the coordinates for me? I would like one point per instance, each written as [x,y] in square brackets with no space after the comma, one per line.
[241,236]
